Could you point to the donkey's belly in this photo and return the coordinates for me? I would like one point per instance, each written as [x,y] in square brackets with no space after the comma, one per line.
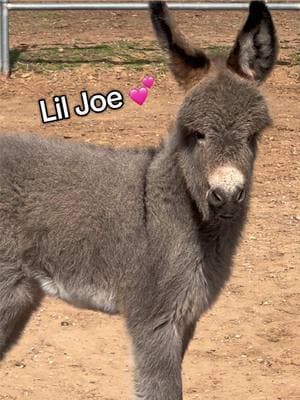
[99,299]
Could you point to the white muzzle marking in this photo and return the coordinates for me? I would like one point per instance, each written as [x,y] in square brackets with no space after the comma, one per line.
[227,178]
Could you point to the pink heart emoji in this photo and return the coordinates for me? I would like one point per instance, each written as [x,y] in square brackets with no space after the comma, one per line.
[148,81]
[139,95]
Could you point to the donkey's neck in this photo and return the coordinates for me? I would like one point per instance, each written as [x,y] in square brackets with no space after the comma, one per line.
[166,191]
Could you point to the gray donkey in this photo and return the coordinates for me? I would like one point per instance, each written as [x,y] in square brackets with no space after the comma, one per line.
[151,233]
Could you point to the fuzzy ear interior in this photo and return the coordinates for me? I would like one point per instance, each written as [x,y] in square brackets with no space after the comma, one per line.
[186,63]
[255,51]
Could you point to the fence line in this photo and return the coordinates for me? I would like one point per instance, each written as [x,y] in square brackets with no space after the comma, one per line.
[6,6]
[144,6]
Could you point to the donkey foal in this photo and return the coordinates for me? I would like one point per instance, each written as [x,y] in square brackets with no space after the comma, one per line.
[147,233]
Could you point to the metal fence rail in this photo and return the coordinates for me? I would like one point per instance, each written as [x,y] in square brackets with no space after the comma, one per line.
[6,6]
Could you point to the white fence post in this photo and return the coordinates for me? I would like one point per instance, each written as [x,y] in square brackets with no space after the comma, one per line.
[5,67]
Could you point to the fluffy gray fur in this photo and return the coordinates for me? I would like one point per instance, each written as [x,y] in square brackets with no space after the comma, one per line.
[136,232]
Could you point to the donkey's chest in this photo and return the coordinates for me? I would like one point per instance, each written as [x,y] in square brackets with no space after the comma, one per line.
[202,288]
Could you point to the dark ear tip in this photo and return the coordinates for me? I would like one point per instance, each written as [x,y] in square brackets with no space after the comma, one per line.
[257,7]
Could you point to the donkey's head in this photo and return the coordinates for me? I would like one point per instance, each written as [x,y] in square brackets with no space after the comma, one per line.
[223,112]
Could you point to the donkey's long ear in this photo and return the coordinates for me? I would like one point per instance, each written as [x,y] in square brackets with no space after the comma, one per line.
[255,51]
[188,65]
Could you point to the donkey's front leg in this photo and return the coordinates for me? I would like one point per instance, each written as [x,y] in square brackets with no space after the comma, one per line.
[157,353]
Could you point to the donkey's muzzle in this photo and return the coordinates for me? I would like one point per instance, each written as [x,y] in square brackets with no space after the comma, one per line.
[226,190]
[218,198]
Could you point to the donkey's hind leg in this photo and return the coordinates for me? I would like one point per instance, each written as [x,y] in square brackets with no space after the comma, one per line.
[19,296]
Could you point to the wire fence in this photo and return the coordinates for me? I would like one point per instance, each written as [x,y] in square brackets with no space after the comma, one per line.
[6,6]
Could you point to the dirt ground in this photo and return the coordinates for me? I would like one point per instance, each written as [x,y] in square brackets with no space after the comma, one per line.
[246,346]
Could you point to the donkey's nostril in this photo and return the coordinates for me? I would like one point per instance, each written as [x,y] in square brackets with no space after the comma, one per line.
[240,195]
[216,197]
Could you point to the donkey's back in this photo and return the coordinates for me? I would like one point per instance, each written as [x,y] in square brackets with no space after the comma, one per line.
[51,180]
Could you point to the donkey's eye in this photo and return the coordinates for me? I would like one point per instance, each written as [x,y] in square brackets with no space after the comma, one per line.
[200,136]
